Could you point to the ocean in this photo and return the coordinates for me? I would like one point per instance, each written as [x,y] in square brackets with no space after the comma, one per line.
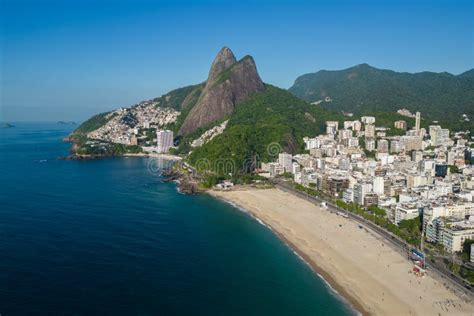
[108,237]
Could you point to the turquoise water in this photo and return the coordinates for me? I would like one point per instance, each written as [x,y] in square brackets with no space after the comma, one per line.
[107,237]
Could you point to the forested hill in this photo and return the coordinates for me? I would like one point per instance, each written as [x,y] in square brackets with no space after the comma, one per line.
[272,117]
[363,89]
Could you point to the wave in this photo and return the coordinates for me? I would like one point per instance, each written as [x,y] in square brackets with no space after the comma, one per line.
[333,291]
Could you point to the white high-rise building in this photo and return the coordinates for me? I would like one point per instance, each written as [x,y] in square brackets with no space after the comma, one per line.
[356,126]
[378,185]
[395,146]
[295,168]
[417,121]
[368,120]
[348,124]
[286,161]
[164,140]
[370,144]
[417,156]
[382,146]
[369,131]
[360,191]
[332,127]
[439,136]
[411,143]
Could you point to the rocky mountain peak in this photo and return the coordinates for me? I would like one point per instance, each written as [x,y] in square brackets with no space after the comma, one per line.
[224,59]
[229,82]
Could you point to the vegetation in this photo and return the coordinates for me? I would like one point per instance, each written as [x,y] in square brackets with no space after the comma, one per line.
[310,191]
[466,249]
[186,105]
[408,230]
[106,149]
[467,274]
[453,169]
[175,98]
[364,89]
[370,154]
[210,179]
[263,125]
[93,123]
[387,119]
[464,271]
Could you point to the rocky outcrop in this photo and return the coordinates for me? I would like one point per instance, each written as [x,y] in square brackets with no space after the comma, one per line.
[229,82]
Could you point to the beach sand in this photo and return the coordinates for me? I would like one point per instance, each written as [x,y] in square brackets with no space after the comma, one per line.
[356,262]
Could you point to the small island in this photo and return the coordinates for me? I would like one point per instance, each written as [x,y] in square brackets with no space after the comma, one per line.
[67,123]
[6,125]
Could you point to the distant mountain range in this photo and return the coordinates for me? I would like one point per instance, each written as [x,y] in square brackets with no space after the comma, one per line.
[364,89]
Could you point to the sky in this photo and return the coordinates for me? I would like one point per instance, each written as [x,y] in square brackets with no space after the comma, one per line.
[70,59]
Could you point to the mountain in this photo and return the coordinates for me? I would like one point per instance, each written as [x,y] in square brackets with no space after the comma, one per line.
[262,126]
[469,73]
[257,120]
[364,89]
[229,82]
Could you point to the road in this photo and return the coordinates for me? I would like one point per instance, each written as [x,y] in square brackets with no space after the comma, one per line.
[456,283]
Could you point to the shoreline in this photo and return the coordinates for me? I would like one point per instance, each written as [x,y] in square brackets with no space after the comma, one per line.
[358,265]
[332,284]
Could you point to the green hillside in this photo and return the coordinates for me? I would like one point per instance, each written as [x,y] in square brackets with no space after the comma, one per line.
[175,98]
[261,126]
[181,99]
[364,89]
[93,123]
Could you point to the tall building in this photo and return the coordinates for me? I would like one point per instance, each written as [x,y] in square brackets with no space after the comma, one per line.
[406,211]
[311,143]
[400,124]
[378,185]
[438,136]
[360,191]
[344,134]
[332,127]
[368,120]
[348,124]
[441,170]
[356,126]
[164,140]
[416,156]
[417,121]
[369,131]
[286,161]
[395,146]
[382,146]
[370,144]
[411,143]
[295,168]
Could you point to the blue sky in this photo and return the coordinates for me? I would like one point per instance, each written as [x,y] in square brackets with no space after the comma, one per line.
[66,60]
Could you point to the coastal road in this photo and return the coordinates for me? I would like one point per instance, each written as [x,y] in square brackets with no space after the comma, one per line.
[456,283]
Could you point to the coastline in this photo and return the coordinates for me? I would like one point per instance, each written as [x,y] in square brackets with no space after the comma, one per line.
[330,282]
[374,281]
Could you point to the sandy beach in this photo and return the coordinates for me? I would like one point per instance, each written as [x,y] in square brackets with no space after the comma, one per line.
[356,262]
